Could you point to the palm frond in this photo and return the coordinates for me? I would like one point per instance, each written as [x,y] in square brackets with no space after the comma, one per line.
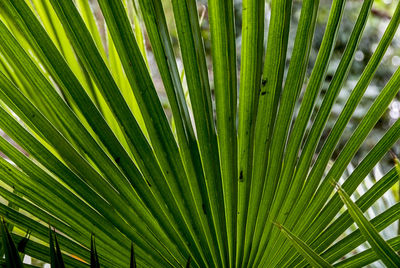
[90,148]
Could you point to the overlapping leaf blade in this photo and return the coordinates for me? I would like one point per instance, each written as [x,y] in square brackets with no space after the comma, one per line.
[378,244]
[13,260]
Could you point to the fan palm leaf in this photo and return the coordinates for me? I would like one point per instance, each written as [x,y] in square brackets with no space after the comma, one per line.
[230,177]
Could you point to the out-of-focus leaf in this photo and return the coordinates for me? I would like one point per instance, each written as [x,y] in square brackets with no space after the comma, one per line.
[188,262]
[11,254]
[55,251]
[22,244]
[94,258]
[133,259]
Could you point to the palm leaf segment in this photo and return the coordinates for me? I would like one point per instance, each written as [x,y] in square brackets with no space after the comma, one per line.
[90,149]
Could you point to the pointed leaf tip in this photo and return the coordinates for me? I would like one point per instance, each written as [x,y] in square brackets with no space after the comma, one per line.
[22,244]
[377,243]
[55,251]
[133,259]
[277,224]
[12,257]
[94,259]
[396,161]
[188,262]
[308,253]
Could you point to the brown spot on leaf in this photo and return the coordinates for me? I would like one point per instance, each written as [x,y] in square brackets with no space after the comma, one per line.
[264,81]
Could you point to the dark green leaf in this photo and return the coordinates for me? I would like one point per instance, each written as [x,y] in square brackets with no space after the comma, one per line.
[22,244]
[55,251]
[94,258]
[12,257]
[188,262]
[133,259]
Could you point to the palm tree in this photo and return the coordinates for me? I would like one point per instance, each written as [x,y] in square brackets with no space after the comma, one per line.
[90,150]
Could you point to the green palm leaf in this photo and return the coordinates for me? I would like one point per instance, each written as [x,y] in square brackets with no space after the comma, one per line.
[11,254]
[92,147]
[55,251]
[313,258]
[378,244]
